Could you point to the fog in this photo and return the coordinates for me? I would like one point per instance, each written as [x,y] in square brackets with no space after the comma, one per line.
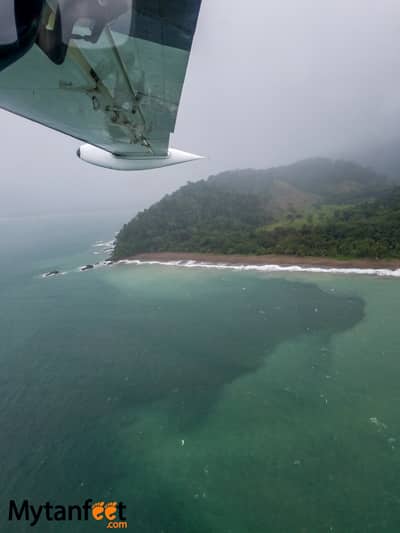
[268,83]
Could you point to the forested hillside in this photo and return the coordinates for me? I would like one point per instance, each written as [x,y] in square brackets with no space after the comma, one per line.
[315,207]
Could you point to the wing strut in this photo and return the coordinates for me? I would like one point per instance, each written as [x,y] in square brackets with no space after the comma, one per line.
[103,100]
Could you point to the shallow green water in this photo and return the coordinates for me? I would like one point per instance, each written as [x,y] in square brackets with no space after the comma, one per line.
[207,401]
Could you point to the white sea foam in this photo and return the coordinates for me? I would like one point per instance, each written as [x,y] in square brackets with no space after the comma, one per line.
[94,266]
[53,274]
[382,272]
[104,247]
[107,247]
[100,248]
[104,244]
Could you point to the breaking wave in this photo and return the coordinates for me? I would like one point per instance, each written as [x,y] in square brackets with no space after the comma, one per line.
[107,247]
[383,272]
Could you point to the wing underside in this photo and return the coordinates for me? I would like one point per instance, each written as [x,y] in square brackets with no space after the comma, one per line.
[112,78]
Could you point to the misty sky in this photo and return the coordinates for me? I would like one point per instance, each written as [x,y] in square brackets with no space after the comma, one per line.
[268,82]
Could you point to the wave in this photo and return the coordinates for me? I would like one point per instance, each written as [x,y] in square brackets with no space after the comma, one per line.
[382,272]
[104,244]
[53,274]
[104,247]
[94,266]
[269,268]
[107,247]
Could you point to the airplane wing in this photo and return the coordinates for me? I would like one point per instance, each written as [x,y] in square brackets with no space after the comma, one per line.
[108,72]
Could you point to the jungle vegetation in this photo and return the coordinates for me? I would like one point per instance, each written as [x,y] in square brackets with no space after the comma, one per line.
[317,207]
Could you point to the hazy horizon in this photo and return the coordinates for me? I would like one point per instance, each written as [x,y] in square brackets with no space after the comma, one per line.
[265,87]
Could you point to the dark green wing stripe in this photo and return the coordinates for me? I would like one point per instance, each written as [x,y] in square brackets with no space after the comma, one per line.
[167,22]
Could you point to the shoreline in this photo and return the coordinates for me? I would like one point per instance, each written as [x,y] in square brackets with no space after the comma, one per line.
[262,263]
[261,260]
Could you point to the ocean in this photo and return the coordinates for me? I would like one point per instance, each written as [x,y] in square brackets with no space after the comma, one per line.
[206,400]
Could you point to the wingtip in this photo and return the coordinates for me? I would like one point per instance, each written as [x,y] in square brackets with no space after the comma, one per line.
[183,157]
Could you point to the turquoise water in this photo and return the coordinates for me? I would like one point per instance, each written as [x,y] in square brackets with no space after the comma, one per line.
[207,401]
